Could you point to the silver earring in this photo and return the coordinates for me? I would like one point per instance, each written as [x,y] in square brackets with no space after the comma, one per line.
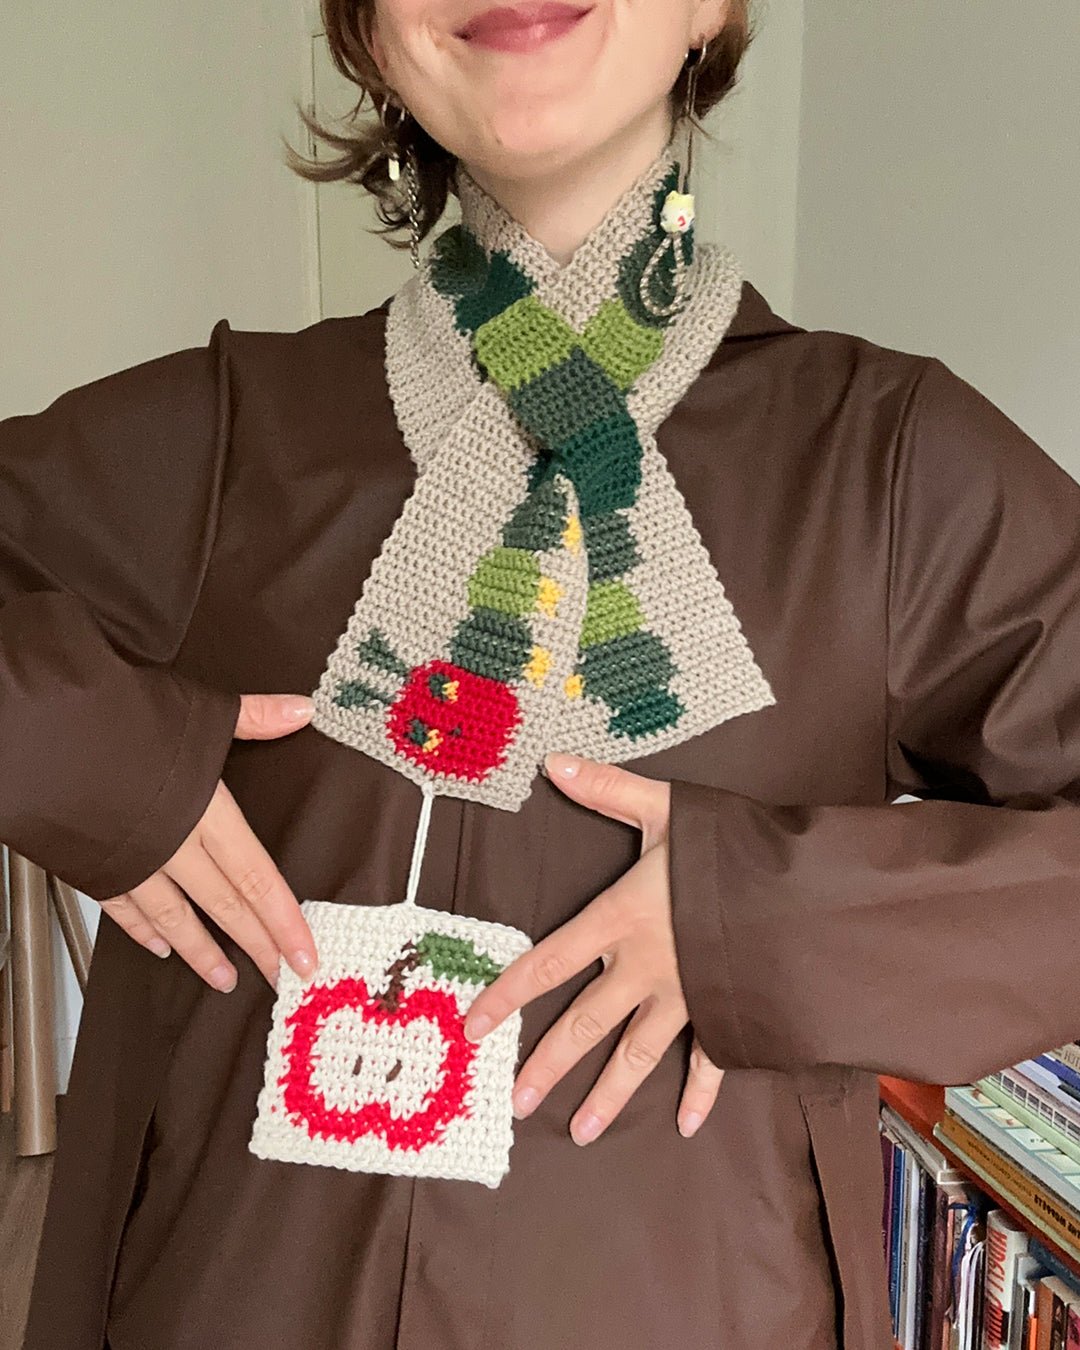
[412,196]
[390,134]
[677,214]
[688,111]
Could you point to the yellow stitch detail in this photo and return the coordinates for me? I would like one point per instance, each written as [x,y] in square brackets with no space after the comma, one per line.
[537,669]
[450,690]
[571,536]
[433,740]
[574,686]
[550,595]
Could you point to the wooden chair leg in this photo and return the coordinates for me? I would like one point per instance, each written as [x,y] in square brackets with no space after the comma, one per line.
[7,1062]
[32,1009]
[73,927]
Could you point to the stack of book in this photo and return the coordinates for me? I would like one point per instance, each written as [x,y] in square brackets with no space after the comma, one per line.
[964,1273]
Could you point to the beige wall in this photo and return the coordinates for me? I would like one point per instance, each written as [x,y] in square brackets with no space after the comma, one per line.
[939,197]
[141,193]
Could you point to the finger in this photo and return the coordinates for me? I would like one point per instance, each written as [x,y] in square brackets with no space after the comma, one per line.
[208,887]
[166,907]
[123,910]
[596,1011]
[263,717]
[238,853]
[699,1096]
[553,961]
[652,1029]
[613,791]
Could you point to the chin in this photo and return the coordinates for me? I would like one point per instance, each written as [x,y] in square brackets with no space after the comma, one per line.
[533,141]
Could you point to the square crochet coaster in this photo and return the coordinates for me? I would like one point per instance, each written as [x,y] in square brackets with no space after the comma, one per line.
[367,1065]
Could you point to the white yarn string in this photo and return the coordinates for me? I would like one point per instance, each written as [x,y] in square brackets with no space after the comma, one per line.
[419,842]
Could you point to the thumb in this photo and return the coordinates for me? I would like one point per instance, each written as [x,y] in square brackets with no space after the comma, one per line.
[615,792]
[264,717]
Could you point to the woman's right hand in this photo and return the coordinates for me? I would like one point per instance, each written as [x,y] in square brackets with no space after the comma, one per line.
[227,872]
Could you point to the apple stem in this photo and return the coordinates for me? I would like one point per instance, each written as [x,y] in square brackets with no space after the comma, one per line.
[408,960]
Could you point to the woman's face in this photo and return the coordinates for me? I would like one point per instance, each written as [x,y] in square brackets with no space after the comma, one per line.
[533,87]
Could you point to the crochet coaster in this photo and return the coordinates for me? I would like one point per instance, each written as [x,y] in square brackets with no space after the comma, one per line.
[367,1065]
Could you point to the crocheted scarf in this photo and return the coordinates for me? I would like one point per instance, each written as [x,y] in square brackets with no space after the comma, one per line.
[544,587]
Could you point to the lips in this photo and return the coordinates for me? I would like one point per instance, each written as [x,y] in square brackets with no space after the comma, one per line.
[518,27]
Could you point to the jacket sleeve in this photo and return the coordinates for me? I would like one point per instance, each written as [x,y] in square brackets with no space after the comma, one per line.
[937,940]
[109,500]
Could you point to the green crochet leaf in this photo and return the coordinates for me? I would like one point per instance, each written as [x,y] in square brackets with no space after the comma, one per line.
[456,959]
[359,694]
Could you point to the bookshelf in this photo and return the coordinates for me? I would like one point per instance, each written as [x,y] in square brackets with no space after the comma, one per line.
[922,1105]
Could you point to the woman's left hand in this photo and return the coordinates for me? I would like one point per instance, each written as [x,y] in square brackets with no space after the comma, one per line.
[629,928]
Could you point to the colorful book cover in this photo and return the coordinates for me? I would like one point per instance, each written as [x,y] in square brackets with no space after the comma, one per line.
[1059,1173]
[1024,1192]
[1029,1110]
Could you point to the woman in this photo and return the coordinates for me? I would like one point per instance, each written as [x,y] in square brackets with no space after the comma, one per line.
[576,488]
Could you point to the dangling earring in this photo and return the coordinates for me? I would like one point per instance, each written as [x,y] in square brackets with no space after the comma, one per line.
[677,214]
[412,176]
[412,194]
[390,134]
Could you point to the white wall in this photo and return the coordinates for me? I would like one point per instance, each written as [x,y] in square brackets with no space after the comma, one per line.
[939,201]
[747,185]
[143,195]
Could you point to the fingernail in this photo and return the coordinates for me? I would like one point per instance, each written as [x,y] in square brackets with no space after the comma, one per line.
[586,1129]
[566,766]
[299,707]
[223,978]
[689,1124]
[477,1027]
[303,963]
[526,1102]
[159,947]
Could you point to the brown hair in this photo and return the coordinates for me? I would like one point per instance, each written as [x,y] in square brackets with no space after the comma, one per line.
[364,147]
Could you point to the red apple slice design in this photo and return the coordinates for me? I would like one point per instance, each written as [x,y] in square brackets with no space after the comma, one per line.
[442,1103]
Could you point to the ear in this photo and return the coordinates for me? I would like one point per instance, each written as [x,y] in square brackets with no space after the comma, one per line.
[369,31]
[710,19]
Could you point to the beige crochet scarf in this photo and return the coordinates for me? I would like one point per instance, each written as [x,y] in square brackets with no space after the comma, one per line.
[544,587]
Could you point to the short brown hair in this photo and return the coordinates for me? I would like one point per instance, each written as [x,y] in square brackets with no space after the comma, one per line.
[363,148]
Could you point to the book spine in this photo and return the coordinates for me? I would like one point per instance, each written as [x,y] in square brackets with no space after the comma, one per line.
[1069,1054]
[938,1301]
[1061,1070]
[896,1228]
[1044,1308]
[1049,1080]
[1059,1315]
[1032,1200]
[1006,1242]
